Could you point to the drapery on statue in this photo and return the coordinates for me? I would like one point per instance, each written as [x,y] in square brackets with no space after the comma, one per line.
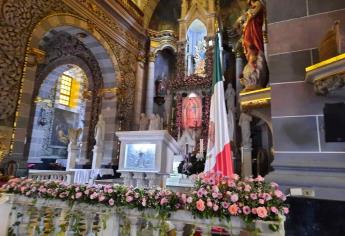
[255,74]
[73,135]
[100,131]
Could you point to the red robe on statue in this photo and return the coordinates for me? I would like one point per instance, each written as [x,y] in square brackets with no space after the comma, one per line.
[252,32]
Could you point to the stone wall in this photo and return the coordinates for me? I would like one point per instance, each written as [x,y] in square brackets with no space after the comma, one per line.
[302,157]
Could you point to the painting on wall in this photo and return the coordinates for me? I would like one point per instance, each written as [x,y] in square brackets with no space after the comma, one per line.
[139,156]
[63,120]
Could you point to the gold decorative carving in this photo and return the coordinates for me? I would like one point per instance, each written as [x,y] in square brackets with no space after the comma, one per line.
[152,57]
[35,56]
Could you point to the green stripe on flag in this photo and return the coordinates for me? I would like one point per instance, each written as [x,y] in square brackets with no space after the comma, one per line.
[217,70]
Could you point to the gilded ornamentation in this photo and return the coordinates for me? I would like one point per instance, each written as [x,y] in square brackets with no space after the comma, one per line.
[331,83]
[18,19]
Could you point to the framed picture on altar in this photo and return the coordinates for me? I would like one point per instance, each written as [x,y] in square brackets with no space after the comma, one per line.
[140,156]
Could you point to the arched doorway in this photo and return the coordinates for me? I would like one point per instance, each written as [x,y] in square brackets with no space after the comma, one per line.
[60,105]
[96,49]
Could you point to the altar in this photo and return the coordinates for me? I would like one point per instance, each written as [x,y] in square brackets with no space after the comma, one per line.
[146,157]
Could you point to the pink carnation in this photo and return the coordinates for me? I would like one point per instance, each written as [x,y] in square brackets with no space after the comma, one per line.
[111,202]
[246,210]
[233,209]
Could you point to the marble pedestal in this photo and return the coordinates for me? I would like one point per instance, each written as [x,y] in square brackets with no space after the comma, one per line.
[97,157]
[146,157]
[73,151]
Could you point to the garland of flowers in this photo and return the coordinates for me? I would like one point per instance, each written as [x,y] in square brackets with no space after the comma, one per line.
[212,196]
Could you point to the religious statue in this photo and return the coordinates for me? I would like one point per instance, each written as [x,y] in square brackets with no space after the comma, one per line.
[100,131]
[73,135]
[187,141]
[255,73]
[156,123]
[244,122]
[252,31]
[167,106]
[230,102]
[144,122]
[199,58]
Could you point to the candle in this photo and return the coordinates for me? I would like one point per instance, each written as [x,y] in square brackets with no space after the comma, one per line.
[201,146]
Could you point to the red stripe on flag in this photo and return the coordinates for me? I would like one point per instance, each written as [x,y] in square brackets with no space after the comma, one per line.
[224,161]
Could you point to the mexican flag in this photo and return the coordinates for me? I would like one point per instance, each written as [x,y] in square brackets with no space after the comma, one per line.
[218,158]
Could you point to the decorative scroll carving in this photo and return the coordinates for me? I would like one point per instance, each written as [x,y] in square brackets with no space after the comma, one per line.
[18,19]
[324,86]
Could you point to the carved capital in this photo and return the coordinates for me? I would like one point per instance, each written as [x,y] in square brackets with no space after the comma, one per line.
[152,57]
[35,56]
[141,57]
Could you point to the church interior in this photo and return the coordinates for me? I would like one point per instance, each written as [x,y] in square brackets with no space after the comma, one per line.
[137,95]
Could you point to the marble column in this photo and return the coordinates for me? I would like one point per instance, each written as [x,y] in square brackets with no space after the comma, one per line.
[246,148]
[239,70]
[150,85]
[139,88]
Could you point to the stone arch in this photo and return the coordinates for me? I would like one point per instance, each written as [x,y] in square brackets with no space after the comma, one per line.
[99,47]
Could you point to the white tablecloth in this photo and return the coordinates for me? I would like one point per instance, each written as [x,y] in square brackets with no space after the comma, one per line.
[83,176]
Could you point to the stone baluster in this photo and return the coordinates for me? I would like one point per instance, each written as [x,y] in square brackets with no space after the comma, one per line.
[134,220]
[152,179]
[140,179]
[127,179]
[179,227]
[150,85]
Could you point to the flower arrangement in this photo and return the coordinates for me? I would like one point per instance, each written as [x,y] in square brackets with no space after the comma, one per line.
[213,196]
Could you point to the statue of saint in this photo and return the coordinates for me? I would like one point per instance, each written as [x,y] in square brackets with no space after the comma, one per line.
[100,131]
[244,122]
[187,141]
[73,135]
[230,102]
[144,122]
[252,31]
[167,106]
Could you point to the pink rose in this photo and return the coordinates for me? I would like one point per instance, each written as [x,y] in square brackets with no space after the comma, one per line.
[274,210]
[184,198]
[214,195]
[78,195]
[209,204]
[143,203]
[110,190]
[254,211]
[163,201]
[278,193]
[189,200]
[200,205]
[93,196]
[234,197]
[215,207]
[247,188]
[262,212]
[259,178]
[129,198]
[235,177]
[262,201]
[286,210]
[111,202]
[253,196]
[101,198]
[246,210]
[233,209]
